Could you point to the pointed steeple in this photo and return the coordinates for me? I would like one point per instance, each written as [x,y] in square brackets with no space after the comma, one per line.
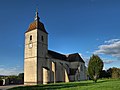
[36,16]
[37,19]
[36,24]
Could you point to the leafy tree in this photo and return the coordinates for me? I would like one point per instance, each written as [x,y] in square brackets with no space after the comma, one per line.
[21,76]
[115,72]
[95,66]
[109,72]
[103,74]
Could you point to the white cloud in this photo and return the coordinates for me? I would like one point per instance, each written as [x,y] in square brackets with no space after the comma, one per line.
[10,71]
[108,61]
[112,41]
[111,47]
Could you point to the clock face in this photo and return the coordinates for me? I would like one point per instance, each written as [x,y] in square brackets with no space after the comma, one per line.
[30,45]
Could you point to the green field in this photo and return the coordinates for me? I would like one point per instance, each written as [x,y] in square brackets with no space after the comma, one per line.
[105,84]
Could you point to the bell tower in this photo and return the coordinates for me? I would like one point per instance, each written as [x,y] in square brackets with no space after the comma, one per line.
[35,52]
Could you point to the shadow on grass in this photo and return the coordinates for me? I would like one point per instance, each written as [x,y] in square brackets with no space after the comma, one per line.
[56,86]
[102,81]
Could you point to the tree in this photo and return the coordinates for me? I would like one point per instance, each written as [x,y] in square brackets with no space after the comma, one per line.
[103,74]
[21,76]
[95,66]
[115,72]
[109,72]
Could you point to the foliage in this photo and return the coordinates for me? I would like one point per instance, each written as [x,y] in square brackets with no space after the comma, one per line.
[13,77]
[16,79]
[95,66]
[115,72]
[110,73]
[21,76]
[104,84]
[104,74]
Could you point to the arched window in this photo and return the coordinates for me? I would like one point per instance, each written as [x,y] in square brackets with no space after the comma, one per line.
[81,68]
[42,38]
[30,37]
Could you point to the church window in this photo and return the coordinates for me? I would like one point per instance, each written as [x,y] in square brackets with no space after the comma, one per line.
[81,68]
[30,37]
[42,38]
[55,66]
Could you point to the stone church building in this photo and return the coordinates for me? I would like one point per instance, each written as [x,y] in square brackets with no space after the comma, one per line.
[42,66]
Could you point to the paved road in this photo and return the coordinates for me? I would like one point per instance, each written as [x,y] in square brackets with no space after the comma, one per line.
[9,86]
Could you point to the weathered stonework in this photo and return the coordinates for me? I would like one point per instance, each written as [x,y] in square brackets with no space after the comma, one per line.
[42,66]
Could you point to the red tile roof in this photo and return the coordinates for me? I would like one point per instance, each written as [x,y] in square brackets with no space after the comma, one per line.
[36,25]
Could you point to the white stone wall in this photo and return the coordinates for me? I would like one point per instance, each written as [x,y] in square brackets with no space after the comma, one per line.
[35,56]
[82,72]
[41,68]
[30,58]
[42,45]
[30,52]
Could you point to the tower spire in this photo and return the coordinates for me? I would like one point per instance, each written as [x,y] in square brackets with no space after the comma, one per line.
[37,24]
[36,16]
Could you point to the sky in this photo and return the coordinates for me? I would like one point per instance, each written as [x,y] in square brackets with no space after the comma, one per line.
[75,26]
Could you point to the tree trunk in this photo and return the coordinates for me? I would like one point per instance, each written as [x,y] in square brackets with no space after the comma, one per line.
[95,78]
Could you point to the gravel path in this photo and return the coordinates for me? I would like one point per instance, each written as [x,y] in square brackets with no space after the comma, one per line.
[9,86]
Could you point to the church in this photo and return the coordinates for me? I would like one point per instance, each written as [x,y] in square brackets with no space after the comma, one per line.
[42,66]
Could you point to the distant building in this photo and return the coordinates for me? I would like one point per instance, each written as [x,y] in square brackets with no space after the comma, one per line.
[42,66]
[5,81]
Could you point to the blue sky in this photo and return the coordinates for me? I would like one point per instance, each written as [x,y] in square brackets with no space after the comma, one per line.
[83,26]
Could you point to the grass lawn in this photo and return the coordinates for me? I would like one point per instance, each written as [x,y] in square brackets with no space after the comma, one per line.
[105,84]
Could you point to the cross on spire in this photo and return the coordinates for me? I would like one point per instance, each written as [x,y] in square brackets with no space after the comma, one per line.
[36,16]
